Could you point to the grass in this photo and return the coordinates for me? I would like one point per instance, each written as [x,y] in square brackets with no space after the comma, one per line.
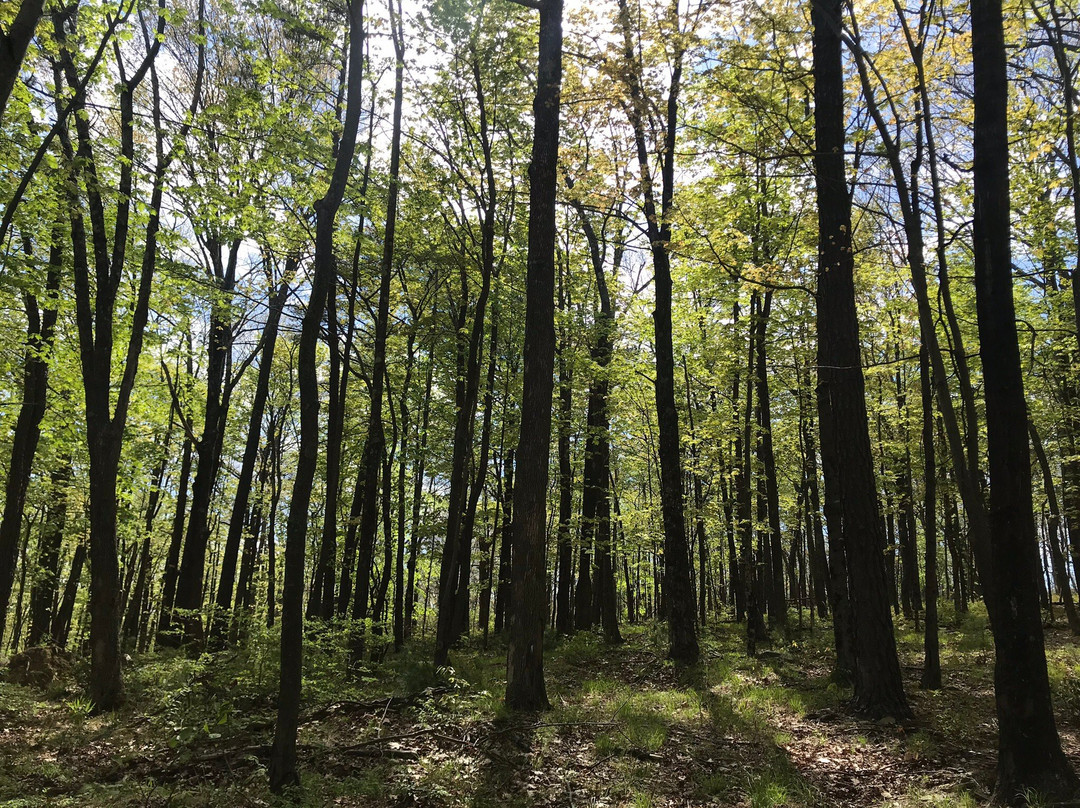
[627,728]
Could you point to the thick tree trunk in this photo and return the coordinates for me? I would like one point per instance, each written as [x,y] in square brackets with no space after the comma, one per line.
[525,689]
[13,45]
[1029,749]
[106,400]
[845,438]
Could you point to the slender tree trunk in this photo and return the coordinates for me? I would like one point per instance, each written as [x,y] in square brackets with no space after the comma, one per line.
[417,501]
[1057,558]
[777,602]
[375,441]
[506,546]
[61,623]
[43,594]
[456,559]
[678,590]
[191,582]
[282,767]
[564,614]
[41,324]
[172,560]
[133,617]
[251,448]
[931,675]
[321,597]
[271,528]
[399,565]
[752,595]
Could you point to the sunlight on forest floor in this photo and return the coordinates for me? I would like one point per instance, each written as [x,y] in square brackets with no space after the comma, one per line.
[626,728]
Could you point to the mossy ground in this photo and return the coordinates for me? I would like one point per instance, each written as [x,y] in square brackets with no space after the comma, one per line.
[626,728]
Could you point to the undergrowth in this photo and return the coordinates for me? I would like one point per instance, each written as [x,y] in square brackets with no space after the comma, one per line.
[627,727]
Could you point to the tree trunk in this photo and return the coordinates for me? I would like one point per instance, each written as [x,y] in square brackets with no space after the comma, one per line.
[283,752]
[61,624]
[564,614]
[1029,749]
[50,540]
[418,490]
[845,438]
[1057,558]
[456,560]
[190,581]
[777,602]
[678,589]
[375,441]
[41,324]
[251,448]
[13,45]
[133,617]
[931,675]
[172,561]
[525,689]
[506,546]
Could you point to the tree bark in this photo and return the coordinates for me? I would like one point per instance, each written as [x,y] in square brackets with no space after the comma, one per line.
[44,590]
[283,771]
[41,324]
[106,400]
[678,589]
[1029,749]
[1057,557]
[525,689]
[13,46]
[251,451]
[190,581]
[931,675]
[375,441]
[850,492]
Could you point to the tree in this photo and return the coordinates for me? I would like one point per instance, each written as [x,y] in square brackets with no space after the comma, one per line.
[1029,749]
[41,326]
[525,689]
[13,45]
[851,505]
[95,307]
[679,591]
[283,770]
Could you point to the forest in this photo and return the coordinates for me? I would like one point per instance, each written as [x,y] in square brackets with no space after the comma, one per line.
[495,403]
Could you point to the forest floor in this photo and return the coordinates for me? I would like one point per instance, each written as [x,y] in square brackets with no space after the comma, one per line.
[626,728]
